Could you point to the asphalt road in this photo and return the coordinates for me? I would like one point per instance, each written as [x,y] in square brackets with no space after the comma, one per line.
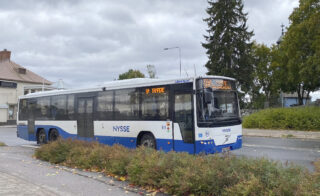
[302,152]
[20,174]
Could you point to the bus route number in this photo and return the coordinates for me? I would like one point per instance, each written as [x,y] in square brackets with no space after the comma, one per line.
[121,128]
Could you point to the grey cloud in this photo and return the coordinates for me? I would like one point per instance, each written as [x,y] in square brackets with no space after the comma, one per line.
[88,42]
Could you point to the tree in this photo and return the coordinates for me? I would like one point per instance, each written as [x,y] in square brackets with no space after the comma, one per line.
[131,74]
[228,43]
[151,71]
[300,51]
[263,73]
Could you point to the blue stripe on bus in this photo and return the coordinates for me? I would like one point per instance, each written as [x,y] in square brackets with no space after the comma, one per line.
[206,147]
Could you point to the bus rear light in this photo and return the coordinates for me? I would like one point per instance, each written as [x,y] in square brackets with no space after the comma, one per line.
[169,143]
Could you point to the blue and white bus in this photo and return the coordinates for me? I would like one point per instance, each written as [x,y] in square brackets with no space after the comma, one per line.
[195,115]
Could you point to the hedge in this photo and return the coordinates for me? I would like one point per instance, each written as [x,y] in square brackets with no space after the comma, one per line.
[185,174]
[301,118]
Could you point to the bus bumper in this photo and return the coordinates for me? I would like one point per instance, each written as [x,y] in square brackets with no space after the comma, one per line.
[209,147]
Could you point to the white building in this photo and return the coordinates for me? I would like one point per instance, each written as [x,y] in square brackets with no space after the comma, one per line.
[16,80]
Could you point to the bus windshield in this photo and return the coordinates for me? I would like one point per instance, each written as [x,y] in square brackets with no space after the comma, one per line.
[217,102]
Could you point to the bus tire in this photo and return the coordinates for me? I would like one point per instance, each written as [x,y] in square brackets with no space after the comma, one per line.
[147,140]
[53,135]
[42,137]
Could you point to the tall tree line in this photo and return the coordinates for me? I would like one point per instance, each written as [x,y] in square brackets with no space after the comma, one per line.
[261,71]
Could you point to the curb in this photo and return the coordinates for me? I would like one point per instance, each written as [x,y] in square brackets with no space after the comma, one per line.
[8,126]
[281,133]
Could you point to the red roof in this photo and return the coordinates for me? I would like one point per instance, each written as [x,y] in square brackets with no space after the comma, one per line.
[14,72]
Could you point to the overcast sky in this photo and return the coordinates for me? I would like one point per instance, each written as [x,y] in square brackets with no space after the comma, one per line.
[88,42]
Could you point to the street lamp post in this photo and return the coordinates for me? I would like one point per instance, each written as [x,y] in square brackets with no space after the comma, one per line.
[177,47]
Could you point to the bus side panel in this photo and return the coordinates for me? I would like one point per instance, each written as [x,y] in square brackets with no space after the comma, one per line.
[126,132]
[181,146]
[22,132]
[209,147]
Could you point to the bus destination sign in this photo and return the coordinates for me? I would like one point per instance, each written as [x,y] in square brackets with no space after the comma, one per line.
[217,84]
[159,90]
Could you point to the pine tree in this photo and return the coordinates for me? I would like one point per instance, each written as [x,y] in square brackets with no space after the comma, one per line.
[228,43]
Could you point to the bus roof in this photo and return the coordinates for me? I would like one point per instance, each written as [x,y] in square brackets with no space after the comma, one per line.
[121,84]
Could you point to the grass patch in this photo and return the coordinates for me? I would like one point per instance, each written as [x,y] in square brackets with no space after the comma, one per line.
[300,118]
[184,174]
[2,144]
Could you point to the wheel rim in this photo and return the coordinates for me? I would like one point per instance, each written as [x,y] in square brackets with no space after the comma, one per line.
[148,143]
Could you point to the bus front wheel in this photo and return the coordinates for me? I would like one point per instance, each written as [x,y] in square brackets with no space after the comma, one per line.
[148,140]
[42,137]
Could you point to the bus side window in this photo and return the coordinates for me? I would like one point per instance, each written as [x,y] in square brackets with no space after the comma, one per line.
[105,105]
[126,104]
[23,109]
[154,106]
[70,108]
[59,107]
[43,108]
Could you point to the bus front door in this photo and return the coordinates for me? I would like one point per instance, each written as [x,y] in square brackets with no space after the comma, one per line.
[85,117]
[183,121]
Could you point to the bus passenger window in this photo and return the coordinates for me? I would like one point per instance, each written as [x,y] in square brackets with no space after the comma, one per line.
[105,106]
[70,108]
[154,106]
[43,108]
[59,107]
[126,104]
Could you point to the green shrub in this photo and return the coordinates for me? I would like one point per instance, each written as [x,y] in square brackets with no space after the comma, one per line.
[2,144]
[185,174]
[301,118]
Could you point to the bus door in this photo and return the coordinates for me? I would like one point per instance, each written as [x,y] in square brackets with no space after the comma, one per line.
[85,117]
[31,116]
[183,122]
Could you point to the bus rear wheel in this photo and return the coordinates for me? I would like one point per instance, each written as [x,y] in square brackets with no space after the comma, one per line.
[42,137]
[148,140]
[53,135]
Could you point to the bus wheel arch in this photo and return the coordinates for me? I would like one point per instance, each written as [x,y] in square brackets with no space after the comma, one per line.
[147,139]
[53,134]
[41,136]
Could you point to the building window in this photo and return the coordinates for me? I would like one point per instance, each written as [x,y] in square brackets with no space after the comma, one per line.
[8,84]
